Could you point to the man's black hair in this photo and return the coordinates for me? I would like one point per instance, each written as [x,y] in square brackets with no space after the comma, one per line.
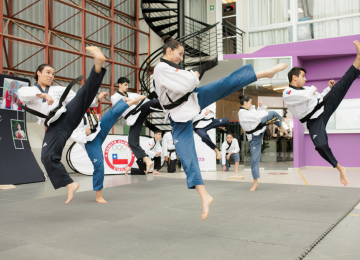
[295,72]
[123,80]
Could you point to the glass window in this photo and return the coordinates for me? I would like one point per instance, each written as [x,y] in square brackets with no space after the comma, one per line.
[319,9]
[346,117]
[270,37]
[328,29]
[266,12]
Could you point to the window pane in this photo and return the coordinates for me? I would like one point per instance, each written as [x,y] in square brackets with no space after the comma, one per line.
[328,29]
[270,37]
[266,12]
[318,9]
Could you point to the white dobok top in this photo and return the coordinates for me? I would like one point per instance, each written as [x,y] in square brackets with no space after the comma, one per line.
[174,83]
[226,148]
[200,117]
[168,144]
[27,95]
[302,101]
[151,148]
[250,119]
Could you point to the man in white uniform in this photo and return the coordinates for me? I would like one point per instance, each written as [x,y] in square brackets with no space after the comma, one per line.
[314,109]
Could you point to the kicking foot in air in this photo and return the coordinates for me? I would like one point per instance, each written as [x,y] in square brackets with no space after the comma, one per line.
[276,69]
[206,205]
[284,131]
[149,163]
[343,177]
[135,101]
[127,170]
[357,60]
[72,188]
[218,154]
[99,58]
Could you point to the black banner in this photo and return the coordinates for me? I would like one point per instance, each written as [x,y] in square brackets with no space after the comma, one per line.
[17,162]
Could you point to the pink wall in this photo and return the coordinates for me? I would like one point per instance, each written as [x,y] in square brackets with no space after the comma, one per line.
[323,59]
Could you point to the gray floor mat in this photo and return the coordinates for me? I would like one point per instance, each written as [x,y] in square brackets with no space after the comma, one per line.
[161,219]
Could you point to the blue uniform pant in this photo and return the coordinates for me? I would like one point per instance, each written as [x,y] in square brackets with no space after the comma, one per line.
[234,156]
[183,134]
[202,132]
[255,145]
[94,149]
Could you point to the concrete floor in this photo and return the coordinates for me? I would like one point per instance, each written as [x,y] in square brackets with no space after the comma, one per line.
[343,242]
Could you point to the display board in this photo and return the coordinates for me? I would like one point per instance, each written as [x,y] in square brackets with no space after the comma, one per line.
[18,164]
[116,151]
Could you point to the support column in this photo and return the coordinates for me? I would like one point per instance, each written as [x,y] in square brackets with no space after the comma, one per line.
[137,71]
[181,24]
[47,31]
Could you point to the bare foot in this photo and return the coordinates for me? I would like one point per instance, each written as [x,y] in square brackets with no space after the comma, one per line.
[100,200]
[236,171]
[99,58]
[253,188]
[357,60]
[218,154]
[72,188]
[343,177]
[222,127]
[284,131]
[276,69]
[136,100]
[149,163]
[156,172]
[206,205]
[127,170]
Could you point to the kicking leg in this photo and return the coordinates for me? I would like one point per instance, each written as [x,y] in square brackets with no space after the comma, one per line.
[185,149]
[240,78]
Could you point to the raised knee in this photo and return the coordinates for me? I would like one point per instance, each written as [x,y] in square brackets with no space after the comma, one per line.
[226,121]
[321,147]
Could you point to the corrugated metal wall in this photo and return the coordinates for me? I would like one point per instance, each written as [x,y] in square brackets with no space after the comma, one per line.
[35,14]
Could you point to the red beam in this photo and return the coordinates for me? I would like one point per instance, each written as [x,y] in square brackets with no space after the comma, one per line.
[83,45]
[47,31]
[137,46]
[112,83]
[10,51]
[26,8]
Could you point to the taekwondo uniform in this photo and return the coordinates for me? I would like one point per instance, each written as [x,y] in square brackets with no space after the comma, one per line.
[92,143]
[203,123]
[169,150]
[182,102]
[63,123]
[227,148]
[314,109]
[135,117]
[151,148]
[253,122]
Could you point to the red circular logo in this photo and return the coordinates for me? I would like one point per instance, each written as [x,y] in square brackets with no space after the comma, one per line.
[118,155]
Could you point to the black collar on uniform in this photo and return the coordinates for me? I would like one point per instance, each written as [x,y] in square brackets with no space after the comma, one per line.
[172,64]
[243,108]
[126,94]
[229,143]
[42,91]
[291,86]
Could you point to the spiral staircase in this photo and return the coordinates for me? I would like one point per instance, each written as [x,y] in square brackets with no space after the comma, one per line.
[198,39]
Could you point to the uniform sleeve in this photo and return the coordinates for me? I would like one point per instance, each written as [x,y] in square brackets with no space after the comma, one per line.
[251,115]
[150,153]
[164,145]
[79,135]
[28,94]
[114,99]
[299,96]
[237,148]
[177,80]
[325,91]
[212,108]
[223,153]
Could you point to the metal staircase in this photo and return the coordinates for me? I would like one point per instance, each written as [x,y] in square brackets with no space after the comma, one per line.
[199,40]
